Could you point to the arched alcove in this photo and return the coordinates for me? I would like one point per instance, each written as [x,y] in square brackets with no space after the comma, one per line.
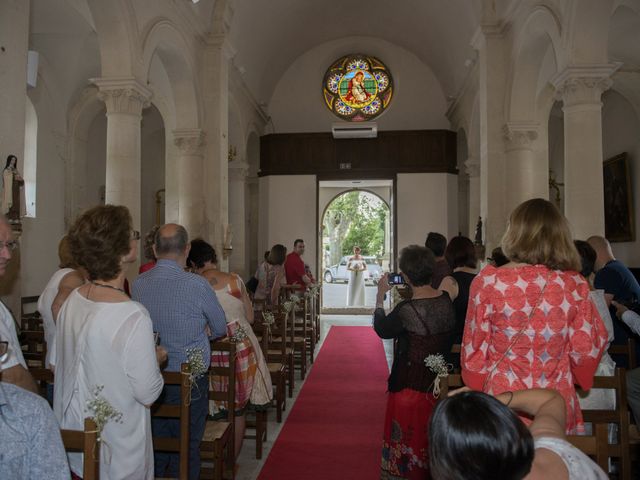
[153,169]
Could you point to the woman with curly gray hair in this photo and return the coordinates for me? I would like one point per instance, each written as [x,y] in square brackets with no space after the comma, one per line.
[104,347]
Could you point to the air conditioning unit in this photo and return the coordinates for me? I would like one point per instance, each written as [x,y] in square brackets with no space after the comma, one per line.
[355,130]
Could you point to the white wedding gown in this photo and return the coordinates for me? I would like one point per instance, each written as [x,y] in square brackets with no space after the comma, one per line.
[355,291]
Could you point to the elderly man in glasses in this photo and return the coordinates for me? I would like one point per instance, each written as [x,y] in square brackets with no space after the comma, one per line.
[14,368]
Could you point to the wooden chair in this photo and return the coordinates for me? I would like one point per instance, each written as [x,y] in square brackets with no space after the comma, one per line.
[277,369]
[87,443]
[594,446]
[627,350]
[34,351]
[218,444]
[181,412]
[280,352]
[451,382]
[619,416]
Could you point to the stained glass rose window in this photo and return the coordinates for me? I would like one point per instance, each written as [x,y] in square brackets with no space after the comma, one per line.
[357,88]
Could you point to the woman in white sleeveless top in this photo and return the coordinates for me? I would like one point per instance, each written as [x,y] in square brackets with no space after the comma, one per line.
[104,345]
[475,435]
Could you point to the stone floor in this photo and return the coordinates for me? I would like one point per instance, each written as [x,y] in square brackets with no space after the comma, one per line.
[249,466]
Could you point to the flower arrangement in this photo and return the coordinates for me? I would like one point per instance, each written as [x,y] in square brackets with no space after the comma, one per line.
[437,364]
[268,318]
[238,335]
[195,359]
[101,410]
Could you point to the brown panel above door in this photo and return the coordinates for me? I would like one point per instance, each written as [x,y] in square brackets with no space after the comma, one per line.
[392,152]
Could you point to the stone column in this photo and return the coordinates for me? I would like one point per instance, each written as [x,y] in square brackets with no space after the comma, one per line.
[217,57]
[492,69]
[14,42]
[523,177]
[580,89]
[472,169]
[125,98]
[190,180]
[239,218]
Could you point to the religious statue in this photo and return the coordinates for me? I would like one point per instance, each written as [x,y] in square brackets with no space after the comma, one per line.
[478,237]
[13,202]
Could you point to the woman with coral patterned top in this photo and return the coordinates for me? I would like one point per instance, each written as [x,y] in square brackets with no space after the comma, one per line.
[531,323]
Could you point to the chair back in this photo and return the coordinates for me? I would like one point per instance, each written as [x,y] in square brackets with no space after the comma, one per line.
[87,443]
[619,416]
[594,446]
[224,376]
[627,350]
[181,412]
[450,382]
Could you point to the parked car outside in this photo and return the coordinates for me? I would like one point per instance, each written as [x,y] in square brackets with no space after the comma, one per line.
[339,272]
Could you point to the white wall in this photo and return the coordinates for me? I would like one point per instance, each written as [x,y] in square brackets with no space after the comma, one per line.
[288,211]
[153,168]
[297,104]
[427,202]
[620,127]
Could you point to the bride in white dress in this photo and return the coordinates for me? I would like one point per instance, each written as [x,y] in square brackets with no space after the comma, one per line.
[356,267]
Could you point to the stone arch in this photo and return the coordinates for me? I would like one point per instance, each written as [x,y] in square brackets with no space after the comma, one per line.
[539,42]
[79,119]
[116,26]
[163,39]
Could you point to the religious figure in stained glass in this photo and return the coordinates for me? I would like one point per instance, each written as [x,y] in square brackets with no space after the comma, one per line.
[357,87]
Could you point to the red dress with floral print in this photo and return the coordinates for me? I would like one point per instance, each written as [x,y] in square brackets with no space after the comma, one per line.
[560,343]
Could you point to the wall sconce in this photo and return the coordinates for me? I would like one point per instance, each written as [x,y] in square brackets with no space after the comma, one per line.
[231,155]
[227,245]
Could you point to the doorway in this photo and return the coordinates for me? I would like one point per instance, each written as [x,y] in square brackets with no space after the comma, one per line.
[354,213]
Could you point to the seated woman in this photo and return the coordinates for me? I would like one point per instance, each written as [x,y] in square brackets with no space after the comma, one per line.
[253,380]
[474,435]
[271,276]
[105,347]
[423,325]
[531,322]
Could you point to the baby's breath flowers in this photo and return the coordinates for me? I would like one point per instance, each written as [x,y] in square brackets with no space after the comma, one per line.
[195,359]
[437,364]
[268,318]
[101,410]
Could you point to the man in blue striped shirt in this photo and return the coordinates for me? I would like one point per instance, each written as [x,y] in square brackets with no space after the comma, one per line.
[184,309]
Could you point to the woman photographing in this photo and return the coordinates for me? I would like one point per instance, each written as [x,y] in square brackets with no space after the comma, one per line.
[421,326]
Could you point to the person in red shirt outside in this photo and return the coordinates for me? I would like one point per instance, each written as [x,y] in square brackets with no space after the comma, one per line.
[294,266]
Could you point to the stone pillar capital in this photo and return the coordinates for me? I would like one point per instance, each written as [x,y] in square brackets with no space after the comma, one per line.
[238,171]
[519,136]
[472,167]
[123,95]
[189,141]
[583,85]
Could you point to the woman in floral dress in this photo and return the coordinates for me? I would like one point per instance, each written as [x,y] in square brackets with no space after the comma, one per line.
[253,380]
[531,323]
[422,326]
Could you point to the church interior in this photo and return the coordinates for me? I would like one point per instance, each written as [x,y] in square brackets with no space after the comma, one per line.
[233,119]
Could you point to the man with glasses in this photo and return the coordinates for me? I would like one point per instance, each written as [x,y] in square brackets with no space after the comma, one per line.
[14,368]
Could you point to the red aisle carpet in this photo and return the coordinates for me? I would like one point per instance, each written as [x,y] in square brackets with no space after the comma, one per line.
[335,428]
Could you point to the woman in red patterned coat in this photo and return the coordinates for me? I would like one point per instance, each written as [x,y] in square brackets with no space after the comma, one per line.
[531,323]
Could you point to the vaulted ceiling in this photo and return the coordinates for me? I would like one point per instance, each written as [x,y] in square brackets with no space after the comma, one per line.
[269,35]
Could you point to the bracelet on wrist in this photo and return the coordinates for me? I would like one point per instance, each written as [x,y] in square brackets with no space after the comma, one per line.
[510,398]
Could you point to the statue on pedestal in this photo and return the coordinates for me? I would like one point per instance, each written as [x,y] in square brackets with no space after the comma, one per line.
[13,201]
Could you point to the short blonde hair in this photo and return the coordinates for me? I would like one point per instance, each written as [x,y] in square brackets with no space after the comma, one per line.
[538,234]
